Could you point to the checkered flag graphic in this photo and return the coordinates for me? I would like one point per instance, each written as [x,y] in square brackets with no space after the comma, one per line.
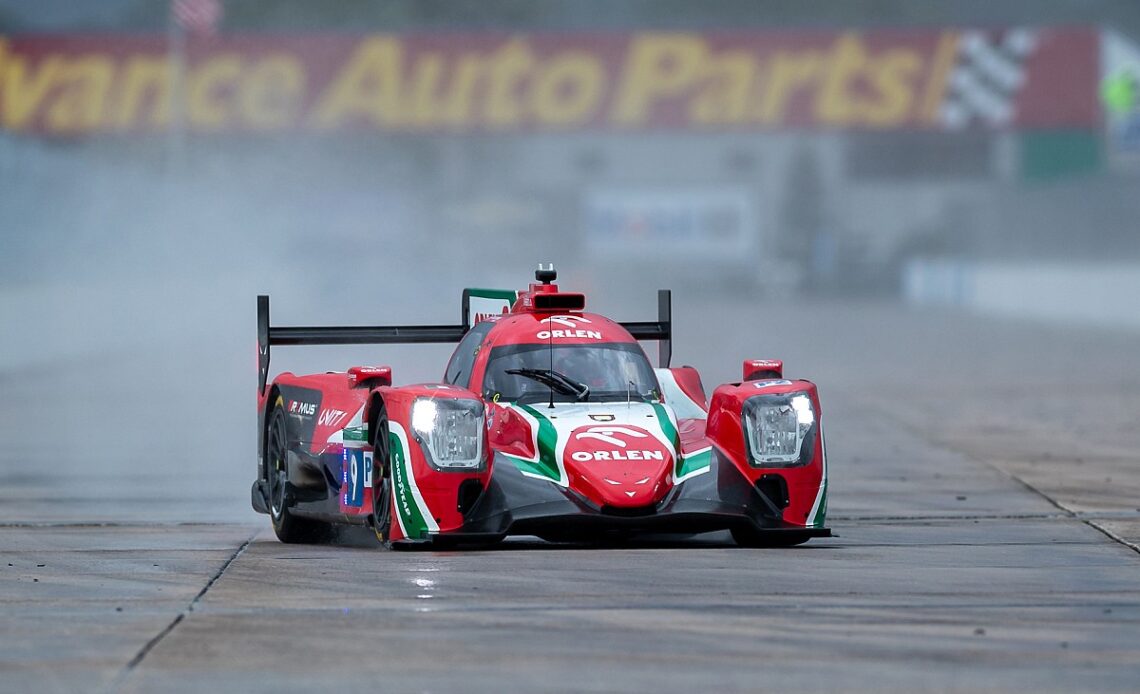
[988,72]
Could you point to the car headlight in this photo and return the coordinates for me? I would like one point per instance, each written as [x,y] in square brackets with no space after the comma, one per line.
[450,432]
[776,428]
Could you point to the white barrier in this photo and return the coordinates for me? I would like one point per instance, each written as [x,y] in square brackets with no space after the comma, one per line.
[1085,293]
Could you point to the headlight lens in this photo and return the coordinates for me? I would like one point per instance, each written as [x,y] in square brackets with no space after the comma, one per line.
[776,428]
[450,432]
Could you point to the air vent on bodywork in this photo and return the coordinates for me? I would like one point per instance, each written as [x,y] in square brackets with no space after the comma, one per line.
[775,489]
[634,512]
[469,492]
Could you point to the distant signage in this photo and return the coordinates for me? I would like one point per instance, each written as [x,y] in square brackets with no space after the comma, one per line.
[426,83]
[1120,92]
[683,224]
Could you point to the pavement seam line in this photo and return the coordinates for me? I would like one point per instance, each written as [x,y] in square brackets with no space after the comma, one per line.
[1113,535]
[919,433]
[157,638]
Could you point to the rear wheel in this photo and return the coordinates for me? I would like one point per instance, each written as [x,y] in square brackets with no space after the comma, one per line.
[749,537]
[382,481]
[287,527]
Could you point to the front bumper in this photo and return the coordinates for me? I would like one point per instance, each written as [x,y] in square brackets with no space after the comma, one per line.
[720,499]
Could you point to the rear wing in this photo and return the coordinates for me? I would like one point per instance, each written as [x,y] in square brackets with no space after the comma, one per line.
[477,305]
[660,329]
[269,335]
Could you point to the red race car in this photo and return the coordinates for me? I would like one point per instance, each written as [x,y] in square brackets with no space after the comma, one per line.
[549,421]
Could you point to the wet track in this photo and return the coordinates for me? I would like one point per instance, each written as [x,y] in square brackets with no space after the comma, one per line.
[985,492]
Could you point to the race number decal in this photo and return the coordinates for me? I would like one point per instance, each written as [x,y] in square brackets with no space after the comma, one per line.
[356,476]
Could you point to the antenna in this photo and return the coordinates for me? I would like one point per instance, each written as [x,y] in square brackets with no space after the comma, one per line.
[551,343]
[547,274]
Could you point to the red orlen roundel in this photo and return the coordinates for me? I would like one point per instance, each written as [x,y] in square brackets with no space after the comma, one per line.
[623,465]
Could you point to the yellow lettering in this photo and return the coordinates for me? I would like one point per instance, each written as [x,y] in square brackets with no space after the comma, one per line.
[940,67]
[507,69]
[146,79]
[207,87]
[271,93]
[834,104]
[369,86]
[425,80]
[456,109]
[568,89]
[788,72]
[659,65]
[22,96]
[892,78]
[725,97]
[80,104]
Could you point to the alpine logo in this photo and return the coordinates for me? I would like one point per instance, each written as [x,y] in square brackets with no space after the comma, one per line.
[572,330]
[620,439]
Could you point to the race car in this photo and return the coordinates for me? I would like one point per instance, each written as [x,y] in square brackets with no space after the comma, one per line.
[549,421]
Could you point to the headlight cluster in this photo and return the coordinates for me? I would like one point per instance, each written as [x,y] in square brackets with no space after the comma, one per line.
[450,432]
[776,428]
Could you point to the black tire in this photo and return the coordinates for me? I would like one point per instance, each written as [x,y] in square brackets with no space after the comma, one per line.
[749,537]
[288,527]
[382,481]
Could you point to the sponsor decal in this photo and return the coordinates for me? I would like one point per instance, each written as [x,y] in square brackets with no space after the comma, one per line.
[331,417]
[571,329]
[616,443]
[771,383]
[65,85]
[302,408]
[412,513]
[586,456]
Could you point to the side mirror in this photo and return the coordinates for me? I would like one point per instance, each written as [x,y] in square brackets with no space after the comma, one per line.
[757,369]
[369,376]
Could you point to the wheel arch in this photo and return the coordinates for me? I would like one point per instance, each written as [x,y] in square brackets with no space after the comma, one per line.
[267,415]
[376,405]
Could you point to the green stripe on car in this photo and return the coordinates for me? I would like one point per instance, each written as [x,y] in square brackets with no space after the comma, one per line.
[411,519]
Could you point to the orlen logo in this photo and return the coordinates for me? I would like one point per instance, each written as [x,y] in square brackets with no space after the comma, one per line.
[615,442]
[572,329]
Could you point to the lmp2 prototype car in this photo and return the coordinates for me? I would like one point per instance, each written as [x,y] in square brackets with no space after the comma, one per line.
[549,421]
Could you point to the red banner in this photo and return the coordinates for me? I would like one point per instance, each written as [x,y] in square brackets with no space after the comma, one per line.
[416,83]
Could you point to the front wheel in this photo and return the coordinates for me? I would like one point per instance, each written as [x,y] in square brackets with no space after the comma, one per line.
[288,527]
[382,482]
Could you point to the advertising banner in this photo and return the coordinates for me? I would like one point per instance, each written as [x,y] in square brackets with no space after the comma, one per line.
[684,224]
[1120,91]
[68,85]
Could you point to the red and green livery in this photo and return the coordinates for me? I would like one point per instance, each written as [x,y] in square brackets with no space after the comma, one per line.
[548,421]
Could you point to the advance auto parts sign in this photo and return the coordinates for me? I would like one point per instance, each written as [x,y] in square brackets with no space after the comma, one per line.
[79,84]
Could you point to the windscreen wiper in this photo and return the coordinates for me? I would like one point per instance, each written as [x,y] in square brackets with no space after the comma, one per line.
[556,381]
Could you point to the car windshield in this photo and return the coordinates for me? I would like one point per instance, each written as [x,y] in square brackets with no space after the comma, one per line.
[611,371]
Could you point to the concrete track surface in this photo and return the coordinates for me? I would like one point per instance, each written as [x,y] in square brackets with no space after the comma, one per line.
[985,493]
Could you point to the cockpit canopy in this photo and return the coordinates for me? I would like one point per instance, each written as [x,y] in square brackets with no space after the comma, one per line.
[609,372]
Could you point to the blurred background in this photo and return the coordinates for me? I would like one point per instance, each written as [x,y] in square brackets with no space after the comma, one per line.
[363,161]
